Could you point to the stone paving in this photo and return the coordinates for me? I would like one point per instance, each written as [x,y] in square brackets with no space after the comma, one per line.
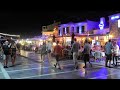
[28,66]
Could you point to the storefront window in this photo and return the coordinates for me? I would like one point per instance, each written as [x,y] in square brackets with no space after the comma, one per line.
[59,33]
[63,30]
[72,29]
[83,29]
[78,29]
[67,29]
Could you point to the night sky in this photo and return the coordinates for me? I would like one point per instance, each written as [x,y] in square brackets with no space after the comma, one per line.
[29,23]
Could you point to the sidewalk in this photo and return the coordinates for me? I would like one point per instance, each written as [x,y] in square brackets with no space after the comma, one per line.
[26,68]
[30,55]
[36,57]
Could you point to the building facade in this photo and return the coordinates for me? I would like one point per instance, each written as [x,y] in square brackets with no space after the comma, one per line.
[76,28]
[101,31]
[50,30]
[114,25]
[81,30]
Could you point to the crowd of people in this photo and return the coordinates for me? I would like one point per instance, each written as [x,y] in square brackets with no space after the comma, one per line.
[9,48]
[111,50]
[57,52]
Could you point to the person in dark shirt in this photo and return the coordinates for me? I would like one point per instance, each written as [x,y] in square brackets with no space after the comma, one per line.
[6,49]
[43,52]
[108,52]
[86,52]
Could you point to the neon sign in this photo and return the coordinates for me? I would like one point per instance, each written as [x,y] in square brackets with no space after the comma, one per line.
[115,17]
[101,25]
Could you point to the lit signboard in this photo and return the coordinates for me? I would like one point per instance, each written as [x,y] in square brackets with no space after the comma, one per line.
[101,25]
[115,17]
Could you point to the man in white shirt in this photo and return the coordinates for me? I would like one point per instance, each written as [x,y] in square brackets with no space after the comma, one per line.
[115,53]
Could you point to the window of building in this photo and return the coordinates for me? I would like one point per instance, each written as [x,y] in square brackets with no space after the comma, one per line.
[63,30]
[78,29]
[72,29]
[59,32]
[83,29]
[67,29]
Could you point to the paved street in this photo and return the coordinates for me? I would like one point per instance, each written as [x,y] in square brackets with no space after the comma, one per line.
[31,68]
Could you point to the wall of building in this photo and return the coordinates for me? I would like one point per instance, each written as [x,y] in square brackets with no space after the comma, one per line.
[71,26]
[80,24]
[98,31]
[113,25]
[44,28]
[47,33]
[50,27]
[91,25]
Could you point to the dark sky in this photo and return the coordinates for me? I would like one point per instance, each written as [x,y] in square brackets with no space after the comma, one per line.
[28,23]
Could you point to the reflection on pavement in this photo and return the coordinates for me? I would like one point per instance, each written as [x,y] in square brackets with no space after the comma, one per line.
[27,68]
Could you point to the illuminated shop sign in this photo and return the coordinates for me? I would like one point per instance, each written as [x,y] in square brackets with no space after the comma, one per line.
[101,25]
[115,17]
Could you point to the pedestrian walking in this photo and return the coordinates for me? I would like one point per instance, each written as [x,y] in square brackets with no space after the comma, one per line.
[75,49]
[43,51]
[7,52]
[58,54]
[14,49]
[86,52]
[49,49]
[115,53]
[108,52]
[18,47]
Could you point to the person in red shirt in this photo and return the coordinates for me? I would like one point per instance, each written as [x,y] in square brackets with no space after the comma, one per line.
[58,53]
